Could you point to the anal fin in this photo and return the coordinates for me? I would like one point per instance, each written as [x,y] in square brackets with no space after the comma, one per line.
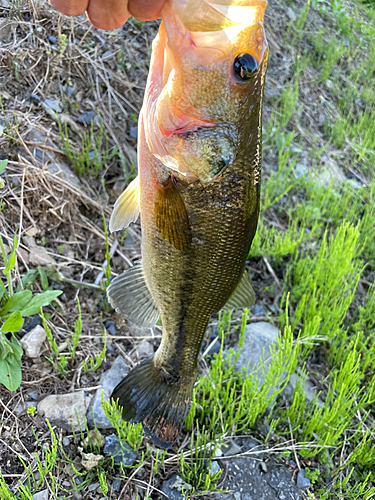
[243,296]
[126,209]
[129,295]
[171,215]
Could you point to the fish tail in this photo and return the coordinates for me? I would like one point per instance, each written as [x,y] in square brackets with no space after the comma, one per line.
[148,395]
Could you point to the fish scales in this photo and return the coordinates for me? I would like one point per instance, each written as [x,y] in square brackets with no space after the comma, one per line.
[199,187]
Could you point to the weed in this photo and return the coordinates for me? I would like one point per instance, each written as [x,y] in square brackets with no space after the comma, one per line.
[95,364]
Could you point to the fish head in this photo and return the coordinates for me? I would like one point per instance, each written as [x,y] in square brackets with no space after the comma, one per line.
[206,84]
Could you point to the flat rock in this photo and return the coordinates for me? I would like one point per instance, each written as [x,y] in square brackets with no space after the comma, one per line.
[39,256]
[63,410]
[121,454]
[33,340]
[246,480]
[41,495]
[145,350]
[174,486]
[303,481]
[309,389]
[258,337]
[108,382]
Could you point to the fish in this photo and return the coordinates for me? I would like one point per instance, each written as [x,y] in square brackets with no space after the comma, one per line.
[197,193]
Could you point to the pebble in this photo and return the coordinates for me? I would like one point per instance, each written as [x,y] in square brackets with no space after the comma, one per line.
[22,408]
[111,327]
[231,449]
[121,454]
[215,467]
[174,486]
[87,118]
[66,441]
[33,340]
[259,337]
[93,486]
[54,104]
[33,395]
[145,350]
[118,188]
[40,257]
[41,495]
[291,14]
[303,481]
[108,382]
[116,484]
[133,132]
[52,39]
[64,409]
[258,310]
[310,390]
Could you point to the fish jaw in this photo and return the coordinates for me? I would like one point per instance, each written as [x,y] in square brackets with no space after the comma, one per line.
[195,106]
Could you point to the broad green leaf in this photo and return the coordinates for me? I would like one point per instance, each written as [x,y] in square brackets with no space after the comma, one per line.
[29,277]
[3,164]
[40,300]
[1,293]
[10,373]
[43,278]
[6,347]
[16,302]
[12,257]
[13,323]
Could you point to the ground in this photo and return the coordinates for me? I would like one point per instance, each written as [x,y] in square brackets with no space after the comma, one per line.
[70,98]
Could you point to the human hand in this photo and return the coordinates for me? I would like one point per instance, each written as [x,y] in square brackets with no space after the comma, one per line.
[110,14]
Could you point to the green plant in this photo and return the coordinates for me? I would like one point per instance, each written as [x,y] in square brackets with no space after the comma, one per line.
[93,153]
[95,364]
[32,411]
[13,308]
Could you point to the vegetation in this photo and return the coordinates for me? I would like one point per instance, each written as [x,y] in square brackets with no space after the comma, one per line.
[317,233]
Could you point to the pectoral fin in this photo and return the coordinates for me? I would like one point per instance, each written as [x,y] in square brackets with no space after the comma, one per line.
[243,296]
[171,215]
[126,209]
[129,295]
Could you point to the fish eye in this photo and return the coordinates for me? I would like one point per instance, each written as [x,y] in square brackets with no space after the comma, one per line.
[244,66]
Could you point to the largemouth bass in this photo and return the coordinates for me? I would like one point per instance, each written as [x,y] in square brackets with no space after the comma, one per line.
[199,157]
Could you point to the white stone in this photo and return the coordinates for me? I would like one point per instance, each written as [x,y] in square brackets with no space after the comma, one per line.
[65,410]
[33,340]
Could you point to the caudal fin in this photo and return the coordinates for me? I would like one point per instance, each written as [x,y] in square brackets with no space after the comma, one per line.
[148,396]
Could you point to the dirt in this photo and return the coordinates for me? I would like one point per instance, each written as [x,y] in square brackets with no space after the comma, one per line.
[104,72]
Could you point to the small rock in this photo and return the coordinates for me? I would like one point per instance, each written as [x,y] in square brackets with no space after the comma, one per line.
[39,257]
[93,486]
[107,54]
[111,327]
[41,495]
[59,167]
[121,454]
[33,395]
[118,188]
[21,408]
[52,39]
[291,14]
[303,481]
[215,467]
[258,310]
[145,350]
[66,441]
[54,104]
[32,231]
[258,337]
[64,410]
[231,449]
[30,323]
[87,118]
[309,389]
[108,382]
[90,460]
[116,484]
[133,132]
[174,486]
[33,340]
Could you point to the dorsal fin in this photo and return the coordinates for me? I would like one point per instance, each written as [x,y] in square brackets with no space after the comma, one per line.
[243,296]
[126,209]
[171,215]
[129,295]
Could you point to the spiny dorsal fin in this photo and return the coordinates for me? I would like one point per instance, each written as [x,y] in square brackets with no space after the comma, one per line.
[130,296]
[243,296]
[126,209]
[171,215]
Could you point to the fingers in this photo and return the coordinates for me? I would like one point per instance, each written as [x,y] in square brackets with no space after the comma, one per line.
[107,14]
[70,7]
[145,10]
